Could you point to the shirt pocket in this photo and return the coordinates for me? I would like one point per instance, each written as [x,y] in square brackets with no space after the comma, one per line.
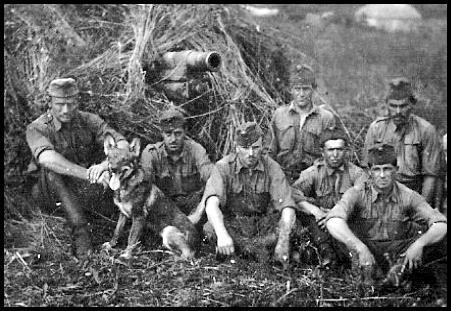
[411,154]
[310,139]
[286,136]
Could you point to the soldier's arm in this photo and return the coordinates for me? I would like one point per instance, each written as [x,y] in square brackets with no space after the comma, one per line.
[305,185]
[431,163]
[369,141]
[57,163]
[45,154]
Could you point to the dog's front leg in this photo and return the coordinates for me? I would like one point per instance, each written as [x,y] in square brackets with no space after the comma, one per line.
[135,234]
[117,232]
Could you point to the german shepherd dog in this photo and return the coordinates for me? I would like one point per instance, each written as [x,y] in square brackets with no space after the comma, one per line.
[139,199]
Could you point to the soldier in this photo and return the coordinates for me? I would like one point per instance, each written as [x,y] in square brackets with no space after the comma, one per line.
[323,184]
[62,142]
[381,220]
[293,136]
[245,197]
[416,141]
[179,166]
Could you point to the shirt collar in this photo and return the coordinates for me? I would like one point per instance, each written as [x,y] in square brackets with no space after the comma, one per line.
[182,156]
[392,196]
[331,170]
[293,108]
[58,125]
[239,165]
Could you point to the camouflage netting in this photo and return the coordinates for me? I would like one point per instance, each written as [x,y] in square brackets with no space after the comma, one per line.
[113,51]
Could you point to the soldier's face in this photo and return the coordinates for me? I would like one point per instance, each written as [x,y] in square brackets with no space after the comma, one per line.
[250,155]
[334,152]
[399,110]
[383,175]
[302,95]
[173,139]
[64,108]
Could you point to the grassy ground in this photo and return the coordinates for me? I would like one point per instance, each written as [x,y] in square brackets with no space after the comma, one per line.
[46,275]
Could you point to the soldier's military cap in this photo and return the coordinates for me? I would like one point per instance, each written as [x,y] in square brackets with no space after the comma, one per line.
[247,133]
[332,133]
[64,87]
[380,154]
[171,119]
[400,88]
[303,75]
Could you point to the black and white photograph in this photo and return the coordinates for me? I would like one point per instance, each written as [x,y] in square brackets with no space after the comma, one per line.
[225,155]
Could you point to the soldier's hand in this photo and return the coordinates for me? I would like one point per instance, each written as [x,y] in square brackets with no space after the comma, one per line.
[95,171]
[366,259]
[225,245]
[413,256]
[320,217]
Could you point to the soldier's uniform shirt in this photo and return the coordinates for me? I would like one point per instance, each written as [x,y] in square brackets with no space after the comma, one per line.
[294,143]
[244,191]
[375,218]
[417,146]
[186,175]
[319,182]
[77,140]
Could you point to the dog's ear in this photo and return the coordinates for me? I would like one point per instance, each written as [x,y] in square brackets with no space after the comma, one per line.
[109,143]
[135,146]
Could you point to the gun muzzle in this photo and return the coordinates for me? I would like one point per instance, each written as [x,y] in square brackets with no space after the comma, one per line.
[193,60]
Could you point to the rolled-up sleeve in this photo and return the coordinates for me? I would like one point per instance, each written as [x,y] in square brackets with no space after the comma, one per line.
[37,139]
[346,205]
[431,153]
[217,185]
[423,211]
[279,188]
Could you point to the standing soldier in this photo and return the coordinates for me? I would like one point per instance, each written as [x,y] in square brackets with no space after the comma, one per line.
[293,136]
[323,185]
[246,196]
[179,166]
[416,141]
[62,142]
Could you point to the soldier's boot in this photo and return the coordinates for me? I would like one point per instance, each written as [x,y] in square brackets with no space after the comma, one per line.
[74,213]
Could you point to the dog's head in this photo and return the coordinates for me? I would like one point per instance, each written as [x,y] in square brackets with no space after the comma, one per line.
[122,162]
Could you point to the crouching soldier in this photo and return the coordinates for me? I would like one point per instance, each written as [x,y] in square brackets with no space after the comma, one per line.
[383,222]
[178,165]
[249,202]
[63,141]
[323,184]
